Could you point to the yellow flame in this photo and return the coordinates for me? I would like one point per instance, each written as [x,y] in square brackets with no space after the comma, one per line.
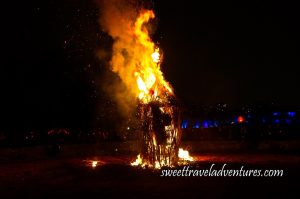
[184,155]
[141,84]
[150,80]
[156,56]
[157,165]
[138,161]
[154,140]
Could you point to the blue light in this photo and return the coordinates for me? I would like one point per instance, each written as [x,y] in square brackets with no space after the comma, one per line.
[277,121]
[264,120]
[288,121]
[205,124]
[184,124]
[197,125]
[276,113]
[291,114]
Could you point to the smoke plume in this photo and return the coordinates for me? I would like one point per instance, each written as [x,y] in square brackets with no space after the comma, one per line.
[118,20]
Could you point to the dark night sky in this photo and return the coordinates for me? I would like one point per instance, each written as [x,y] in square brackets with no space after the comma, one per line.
[228,52]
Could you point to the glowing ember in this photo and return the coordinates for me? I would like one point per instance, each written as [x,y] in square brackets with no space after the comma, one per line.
[94,163]
[241,119]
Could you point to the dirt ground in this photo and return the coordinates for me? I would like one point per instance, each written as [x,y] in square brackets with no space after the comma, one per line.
[114,178]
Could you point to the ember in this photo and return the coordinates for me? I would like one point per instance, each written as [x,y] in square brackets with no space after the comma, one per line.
[93,163]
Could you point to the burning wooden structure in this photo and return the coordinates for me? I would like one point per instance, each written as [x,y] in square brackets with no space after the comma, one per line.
[161,135]
[137,59]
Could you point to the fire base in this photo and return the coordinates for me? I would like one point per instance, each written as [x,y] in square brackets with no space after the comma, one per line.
[160,134]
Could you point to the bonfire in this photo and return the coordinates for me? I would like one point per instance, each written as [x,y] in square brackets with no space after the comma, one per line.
[158,111]
[137,61]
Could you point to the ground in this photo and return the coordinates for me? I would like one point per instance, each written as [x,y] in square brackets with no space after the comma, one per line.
[114,177]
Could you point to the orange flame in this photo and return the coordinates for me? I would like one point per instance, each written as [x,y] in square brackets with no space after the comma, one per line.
[136,59]
[150,80]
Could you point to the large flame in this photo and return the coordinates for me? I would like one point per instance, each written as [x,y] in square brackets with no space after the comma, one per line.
[149,78]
